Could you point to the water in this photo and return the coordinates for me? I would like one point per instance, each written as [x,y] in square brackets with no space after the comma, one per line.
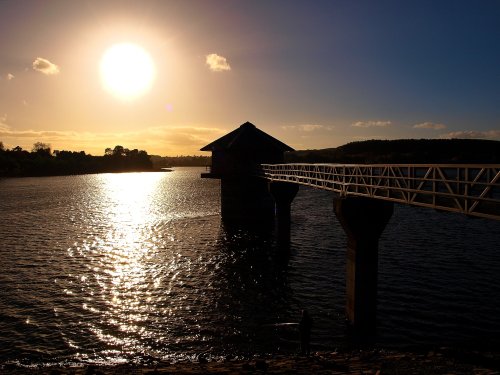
[129,267]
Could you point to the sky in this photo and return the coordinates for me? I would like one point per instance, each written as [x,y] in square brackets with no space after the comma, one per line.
[314,74]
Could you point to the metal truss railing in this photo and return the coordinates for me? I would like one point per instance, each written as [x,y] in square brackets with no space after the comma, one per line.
[469,189]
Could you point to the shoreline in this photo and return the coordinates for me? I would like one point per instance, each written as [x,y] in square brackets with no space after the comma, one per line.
[374,361]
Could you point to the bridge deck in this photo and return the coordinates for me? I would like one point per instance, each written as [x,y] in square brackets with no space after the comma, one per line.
[469,189]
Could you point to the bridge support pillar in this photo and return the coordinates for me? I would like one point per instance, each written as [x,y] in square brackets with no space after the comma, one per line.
[283,193]
[363,220]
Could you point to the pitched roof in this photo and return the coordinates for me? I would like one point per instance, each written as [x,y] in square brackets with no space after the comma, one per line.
[245,137]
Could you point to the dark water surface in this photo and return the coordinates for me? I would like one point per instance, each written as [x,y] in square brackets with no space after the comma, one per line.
[122,267]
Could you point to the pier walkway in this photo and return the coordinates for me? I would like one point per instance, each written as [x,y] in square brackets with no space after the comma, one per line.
[363,201]
[472,189]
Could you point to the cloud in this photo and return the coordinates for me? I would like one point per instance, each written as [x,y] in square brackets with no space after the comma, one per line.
[45,66]
[371,124]
[3,123]
[217,63]
[429,125]
[307,127]
[186,136]
[473,134]
[6,131]
[9,77]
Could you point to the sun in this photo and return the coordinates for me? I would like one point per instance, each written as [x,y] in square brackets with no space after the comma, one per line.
[127,71]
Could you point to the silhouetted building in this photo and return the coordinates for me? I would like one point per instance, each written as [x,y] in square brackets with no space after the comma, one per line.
[245,198]
[241,150]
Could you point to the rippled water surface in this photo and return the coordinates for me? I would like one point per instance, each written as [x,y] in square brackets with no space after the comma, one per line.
[121,267]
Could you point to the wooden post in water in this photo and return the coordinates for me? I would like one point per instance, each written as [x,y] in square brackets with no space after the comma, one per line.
[363,220]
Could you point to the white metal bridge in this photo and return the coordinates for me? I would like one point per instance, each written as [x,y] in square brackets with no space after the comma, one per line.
[469,189]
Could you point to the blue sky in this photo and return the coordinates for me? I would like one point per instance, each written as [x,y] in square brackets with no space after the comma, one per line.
[314,74]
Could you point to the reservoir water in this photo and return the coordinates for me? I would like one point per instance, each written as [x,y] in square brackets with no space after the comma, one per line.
[136,266]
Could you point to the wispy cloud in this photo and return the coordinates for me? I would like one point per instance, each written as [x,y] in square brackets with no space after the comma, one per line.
[45,66]
[307,127]
[184,136]
[371,124]
[3,123]
[473,134]
[7,132]
[217,63]
[429,125]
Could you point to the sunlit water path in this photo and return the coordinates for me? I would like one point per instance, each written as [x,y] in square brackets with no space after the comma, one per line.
[129,267]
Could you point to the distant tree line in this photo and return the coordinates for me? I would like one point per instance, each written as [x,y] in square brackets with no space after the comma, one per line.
[41,161]
[404,151]
[180,161]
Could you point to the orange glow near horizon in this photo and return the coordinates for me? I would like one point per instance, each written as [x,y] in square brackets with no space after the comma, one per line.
[170,77]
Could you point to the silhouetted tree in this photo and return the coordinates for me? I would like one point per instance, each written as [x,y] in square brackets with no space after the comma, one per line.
[40,162]
[41,148]
[119,151]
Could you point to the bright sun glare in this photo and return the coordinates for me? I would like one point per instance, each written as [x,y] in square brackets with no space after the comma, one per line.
[127,71]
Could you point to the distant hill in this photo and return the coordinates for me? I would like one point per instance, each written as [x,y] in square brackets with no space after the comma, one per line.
[404,151]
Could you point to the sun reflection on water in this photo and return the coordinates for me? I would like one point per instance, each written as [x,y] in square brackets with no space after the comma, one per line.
[121,257]
[142,268]
[137,267]
[130,196]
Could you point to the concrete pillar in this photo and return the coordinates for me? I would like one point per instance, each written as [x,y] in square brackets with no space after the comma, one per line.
[363,220]
[246,201]
[283,194]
